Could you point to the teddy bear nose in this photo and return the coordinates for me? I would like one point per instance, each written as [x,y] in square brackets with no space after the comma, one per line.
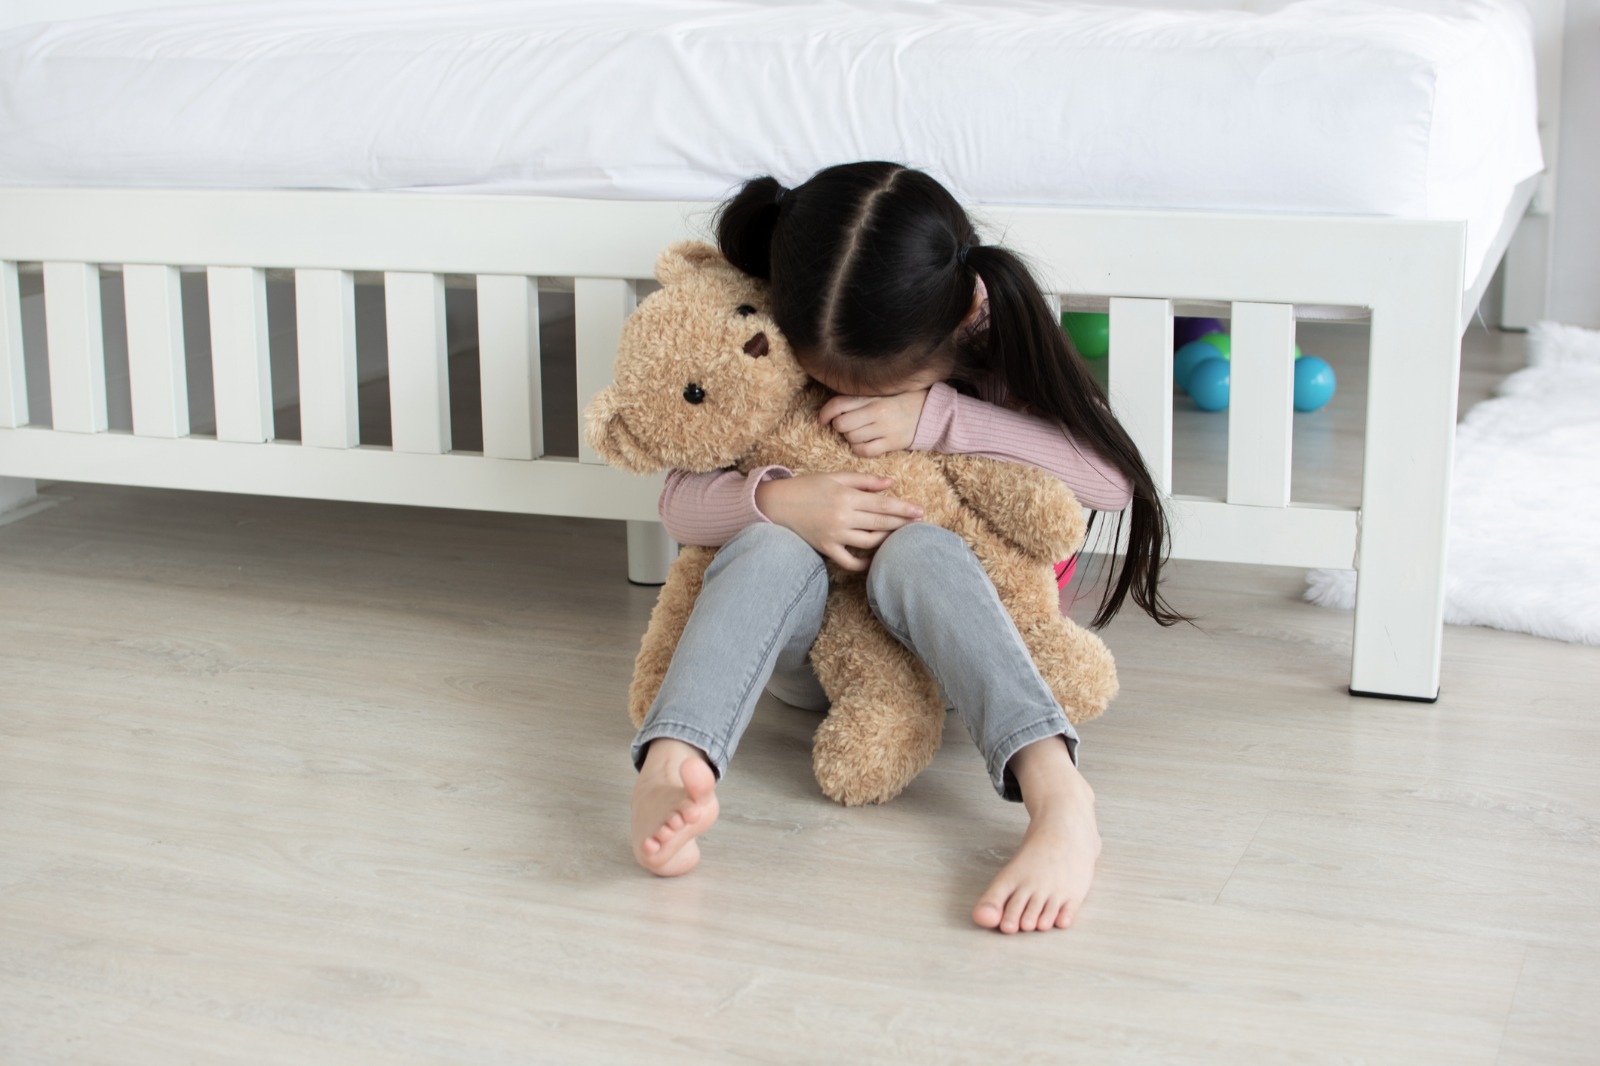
[694,393]
[756,346]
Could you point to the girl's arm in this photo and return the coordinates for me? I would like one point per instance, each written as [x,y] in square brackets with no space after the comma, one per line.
[708,509]
[951,422]
[832,512]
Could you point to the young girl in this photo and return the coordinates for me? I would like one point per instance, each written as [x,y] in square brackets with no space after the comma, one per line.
[932,341]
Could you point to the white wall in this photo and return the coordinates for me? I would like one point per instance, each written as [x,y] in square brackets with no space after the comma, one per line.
[1575,282]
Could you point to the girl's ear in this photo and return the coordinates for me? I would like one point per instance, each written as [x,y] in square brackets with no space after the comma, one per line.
[684,259]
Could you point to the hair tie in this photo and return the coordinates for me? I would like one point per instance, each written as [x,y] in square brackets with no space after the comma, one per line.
[777,198]
[961,254]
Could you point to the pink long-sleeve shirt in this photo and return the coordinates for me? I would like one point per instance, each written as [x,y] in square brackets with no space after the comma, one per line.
[709,508]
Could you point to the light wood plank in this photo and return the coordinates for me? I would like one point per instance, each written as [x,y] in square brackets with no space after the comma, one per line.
[1261,404]
[156,369]
[509,362]
[13,372]
[77,347]
[600,307]
[241,361]
[419,369]
[435,806]
[325,328]
[1141,380]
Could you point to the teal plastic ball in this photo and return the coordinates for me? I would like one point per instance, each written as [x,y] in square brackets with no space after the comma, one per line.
[1090,332]
[1185,359]
[1314,383]
[1221,342]
[1208,384]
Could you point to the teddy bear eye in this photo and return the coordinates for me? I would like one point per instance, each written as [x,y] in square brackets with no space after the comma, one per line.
[694,393]
[743,310]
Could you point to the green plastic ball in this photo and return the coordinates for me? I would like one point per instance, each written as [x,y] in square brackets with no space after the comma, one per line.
[1090,332]
[1220,341]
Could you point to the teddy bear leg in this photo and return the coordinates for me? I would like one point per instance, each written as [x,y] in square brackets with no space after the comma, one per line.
[886,716]
[1074,662]
[667,619]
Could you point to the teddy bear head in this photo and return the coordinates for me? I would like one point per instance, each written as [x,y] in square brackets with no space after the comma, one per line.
[702,373]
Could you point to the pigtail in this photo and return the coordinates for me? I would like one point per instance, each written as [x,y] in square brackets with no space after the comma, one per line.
[745,224]
[1030,354]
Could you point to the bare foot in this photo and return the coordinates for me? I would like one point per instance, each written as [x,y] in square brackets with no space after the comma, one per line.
[674,801]
[1045,883]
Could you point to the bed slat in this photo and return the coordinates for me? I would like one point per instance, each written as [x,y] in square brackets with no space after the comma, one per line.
[241,363]
[77,347]
[1261,404]
[509,362]
[157,378]
[600,305]
[325,324]
[419,368]
[1141,380]
[13,375]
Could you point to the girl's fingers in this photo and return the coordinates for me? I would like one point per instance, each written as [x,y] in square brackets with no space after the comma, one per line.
[852,422]
[877,521]
[888,505]
[846,561]
[872,483]
[865,539]
[838,405]
[863,433]
[871,449]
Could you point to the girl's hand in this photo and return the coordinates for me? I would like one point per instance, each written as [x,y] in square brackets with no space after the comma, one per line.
[875,425]
[836,511]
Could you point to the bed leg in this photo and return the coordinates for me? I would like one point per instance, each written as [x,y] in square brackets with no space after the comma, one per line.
[1405,498]
[1525,273]
[16,492]
[650,552]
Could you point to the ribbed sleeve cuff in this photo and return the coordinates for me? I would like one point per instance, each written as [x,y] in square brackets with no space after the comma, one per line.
[938,410]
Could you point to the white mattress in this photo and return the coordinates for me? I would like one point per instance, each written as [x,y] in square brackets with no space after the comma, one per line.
[1416,108]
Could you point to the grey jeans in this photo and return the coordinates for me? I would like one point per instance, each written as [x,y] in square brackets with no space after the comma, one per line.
[760,608]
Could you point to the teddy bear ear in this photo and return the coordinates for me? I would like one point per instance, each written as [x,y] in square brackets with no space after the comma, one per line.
[684,259]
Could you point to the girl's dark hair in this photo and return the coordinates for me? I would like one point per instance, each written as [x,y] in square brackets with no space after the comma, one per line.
[872,268]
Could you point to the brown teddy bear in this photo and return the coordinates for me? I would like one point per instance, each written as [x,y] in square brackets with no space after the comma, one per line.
[704,381]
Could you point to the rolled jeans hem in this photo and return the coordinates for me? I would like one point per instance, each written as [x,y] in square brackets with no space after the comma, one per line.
[1005,783]
[712,746]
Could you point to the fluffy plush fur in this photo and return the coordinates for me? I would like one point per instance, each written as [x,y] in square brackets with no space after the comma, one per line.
[709,327]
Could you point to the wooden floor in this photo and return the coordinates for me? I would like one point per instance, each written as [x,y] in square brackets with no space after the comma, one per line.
[301,782]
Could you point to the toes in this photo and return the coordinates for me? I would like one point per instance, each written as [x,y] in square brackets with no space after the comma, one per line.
[675,822]
[1052,911]
[986,914]
[1030,914]
[685,859]
[1012,919]
[1067,911]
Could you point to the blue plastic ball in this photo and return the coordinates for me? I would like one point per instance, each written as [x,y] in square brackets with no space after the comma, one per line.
[1314,383]
[1208,384]
[1185,359]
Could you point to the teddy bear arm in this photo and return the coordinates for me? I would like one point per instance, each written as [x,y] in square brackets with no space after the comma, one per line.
[1027,506]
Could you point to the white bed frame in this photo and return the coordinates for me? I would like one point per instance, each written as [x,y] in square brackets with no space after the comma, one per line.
[1407,275]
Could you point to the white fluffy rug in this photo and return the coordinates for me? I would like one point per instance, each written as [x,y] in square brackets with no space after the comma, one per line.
[1525,504]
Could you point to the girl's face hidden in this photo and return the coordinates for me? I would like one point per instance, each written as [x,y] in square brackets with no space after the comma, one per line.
[914,381]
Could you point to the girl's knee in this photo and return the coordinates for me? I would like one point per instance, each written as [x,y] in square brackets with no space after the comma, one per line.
[767,544]
[909,551]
